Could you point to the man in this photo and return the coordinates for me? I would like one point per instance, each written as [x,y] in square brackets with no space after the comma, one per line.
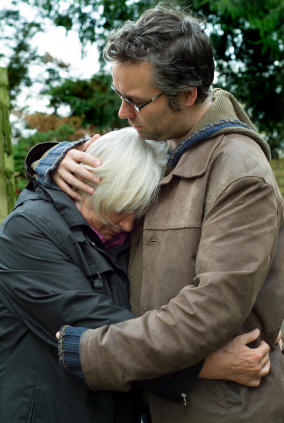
[206,264]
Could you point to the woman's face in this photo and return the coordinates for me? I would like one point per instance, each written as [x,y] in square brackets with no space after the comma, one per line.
[122,222]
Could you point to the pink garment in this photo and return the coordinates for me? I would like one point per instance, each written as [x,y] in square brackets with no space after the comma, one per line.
[119,239]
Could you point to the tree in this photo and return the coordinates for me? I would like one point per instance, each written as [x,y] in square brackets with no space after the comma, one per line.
[247,38]
[92,100]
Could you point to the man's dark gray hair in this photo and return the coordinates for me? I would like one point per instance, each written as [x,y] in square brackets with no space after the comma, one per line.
[176,47]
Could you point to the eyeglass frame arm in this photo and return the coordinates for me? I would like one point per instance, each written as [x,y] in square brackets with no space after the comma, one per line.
[136,107]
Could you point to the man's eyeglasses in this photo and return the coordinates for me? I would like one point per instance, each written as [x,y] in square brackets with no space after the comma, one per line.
[134,105]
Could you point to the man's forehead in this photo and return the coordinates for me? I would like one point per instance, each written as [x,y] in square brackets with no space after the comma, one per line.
[129,77]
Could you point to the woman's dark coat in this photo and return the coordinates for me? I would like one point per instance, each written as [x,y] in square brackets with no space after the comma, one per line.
[54,271]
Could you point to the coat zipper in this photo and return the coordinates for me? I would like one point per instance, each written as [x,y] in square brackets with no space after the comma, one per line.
[184,398]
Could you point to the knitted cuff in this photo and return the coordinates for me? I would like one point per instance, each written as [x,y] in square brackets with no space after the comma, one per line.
[69,349]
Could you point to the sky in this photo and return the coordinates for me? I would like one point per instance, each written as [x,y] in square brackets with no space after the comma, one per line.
[60,45]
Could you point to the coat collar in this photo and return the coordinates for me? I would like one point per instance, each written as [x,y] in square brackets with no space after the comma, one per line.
[194,162]
[61,201]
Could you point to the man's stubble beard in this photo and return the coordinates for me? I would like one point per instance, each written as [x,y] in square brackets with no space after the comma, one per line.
[151,135]
[159,137]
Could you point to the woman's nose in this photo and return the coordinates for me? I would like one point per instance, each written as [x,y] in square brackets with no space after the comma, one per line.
[126,111]
[126,223]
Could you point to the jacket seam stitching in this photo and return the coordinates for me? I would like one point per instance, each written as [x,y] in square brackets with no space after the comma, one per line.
[245,177]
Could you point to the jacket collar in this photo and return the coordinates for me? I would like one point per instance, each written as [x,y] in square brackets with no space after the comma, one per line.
[194,162]
[61,201]
[225,115]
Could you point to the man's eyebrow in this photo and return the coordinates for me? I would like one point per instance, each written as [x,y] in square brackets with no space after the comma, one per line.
[129,97]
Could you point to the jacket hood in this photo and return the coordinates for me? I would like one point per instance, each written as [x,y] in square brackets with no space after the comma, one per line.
[225,116]
[225,106]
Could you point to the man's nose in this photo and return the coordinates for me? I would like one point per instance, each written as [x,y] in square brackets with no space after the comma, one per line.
[126,222]
[126,111]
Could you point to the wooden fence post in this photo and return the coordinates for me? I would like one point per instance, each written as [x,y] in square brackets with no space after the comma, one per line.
[7,183]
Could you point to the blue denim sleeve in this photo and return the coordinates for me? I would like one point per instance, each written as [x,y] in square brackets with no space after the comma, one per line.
[51,160]
[69,349]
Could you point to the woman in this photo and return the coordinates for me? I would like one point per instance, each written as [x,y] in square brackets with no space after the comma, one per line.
[57,268]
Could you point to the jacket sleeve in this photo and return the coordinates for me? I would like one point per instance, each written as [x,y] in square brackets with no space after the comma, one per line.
[43,287]
[34,155]
[238,239]
[44,158]
[174,386]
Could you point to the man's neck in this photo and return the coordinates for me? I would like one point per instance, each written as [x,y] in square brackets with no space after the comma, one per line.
[194,118]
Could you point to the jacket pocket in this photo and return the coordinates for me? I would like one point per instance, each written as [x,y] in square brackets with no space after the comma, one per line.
[231,393]
[33,406]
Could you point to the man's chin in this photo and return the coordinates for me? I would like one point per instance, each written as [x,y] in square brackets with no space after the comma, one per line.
[148,135]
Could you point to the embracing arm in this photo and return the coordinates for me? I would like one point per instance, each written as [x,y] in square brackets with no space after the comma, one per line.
[167,334]
[234,362]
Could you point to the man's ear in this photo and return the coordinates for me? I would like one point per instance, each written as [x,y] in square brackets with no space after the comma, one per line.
[189,97]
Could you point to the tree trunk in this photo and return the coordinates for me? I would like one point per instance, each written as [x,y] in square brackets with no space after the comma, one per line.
[7,184]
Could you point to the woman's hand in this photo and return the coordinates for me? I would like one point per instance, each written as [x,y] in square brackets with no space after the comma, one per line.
[237,362]
[63,175]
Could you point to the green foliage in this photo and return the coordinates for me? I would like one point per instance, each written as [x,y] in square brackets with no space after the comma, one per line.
[18,32]
[247,38]
[92,100]
[26,143]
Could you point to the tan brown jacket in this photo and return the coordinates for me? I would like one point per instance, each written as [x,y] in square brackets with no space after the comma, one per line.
[213,267]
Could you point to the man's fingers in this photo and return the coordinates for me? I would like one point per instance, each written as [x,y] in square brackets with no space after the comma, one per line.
[80,156]
[246,338]
[68,190]
[90,141]
[263,372]
[263,349]
[57,335]
[66,181]
[254,383]
[70,174]
[85,145]
[265,369]
[78,171]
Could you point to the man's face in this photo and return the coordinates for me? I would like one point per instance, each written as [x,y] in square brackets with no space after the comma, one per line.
[156,121]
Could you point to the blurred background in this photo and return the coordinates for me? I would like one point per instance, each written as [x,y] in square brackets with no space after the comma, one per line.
[59,87]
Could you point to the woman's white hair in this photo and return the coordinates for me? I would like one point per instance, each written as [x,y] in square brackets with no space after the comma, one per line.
[131,170]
